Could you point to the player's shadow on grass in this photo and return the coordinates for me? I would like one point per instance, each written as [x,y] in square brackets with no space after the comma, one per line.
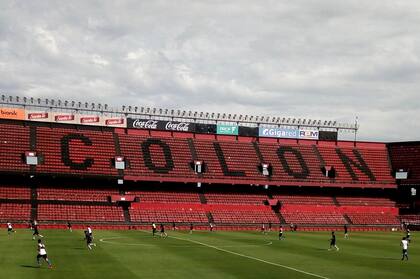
[389,258]
[79,248]
[29,266]
[321,249]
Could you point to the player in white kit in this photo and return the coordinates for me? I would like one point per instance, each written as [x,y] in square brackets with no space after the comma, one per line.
[42,254]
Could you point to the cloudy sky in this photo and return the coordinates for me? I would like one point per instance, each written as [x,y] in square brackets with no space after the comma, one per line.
[316,59]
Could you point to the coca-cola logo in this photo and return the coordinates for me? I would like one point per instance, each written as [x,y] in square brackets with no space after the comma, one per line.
[64,117]
[181,126]
[116,121]
[145,124]
[38,115]
[92,119]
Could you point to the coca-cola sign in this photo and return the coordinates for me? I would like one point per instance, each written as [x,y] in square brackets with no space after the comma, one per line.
[114,121]
[64,117]
[177,126]
[38,115]
[142,123]
[160,125]
[89,119]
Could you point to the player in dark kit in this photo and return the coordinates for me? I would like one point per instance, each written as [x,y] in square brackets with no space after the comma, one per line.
[69,226]
[153,229]
[36,231]
[42,254]
[346,233]
[191,228]
[333,242]
[162,231]
[89,240]
[281,233]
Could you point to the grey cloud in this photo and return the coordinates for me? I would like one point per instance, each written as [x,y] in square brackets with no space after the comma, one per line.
[312,59]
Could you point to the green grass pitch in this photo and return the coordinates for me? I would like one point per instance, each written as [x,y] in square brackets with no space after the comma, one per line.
[220,254]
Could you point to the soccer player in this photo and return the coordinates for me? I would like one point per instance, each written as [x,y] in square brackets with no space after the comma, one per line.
[89,240]
[408,235]
[69,226]
[36,231]
[173,226]
[281,233]
[292,227]
[404,244]
[269,226]
[42,254]
[333,242]
[10,228]
[191,228]
[153,229]
[263,229]
[89,230]
[211,226]
[162,231]
[346,233]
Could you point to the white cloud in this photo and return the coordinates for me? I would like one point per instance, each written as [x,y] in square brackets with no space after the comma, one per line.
[311,59]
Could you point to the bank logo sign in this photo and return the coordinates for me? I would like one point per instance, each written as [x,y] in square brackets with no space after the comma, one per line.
[227,130]
[288,133]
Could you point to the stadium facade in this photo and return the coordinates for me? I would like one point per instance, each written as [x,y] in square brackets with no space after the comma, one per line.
[64,161]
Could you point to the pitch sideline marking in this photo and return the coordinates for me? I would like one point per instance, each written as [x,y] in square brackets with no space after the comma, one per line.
[252,258]
[106,240]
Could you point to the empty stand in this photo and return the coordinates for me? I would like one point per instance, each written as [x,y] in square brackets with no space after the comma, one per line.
[14,142]
[168,215]
[235,198]
[75,194]
[17,193]
[300,199]
[76,151]
[256,216]
[57,212]
[314,218]
[165,197]
[373,218]
[365,201]
[412,219]
[406,156]
[15,212]
[161,157]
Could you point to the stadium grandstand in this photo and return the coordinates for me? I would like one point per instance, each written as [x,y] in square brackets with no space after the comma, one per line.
[87,163]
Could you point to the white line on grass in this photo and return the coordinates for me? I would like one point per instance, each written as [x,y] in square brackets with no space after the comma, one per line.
[249,257]
[107,240]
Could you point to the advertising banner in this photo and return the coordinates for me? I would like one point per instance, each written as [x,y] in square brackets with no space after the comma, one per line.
[278,133]
[42,116]
[12,113]
[309,134]
[176,126]
[142,123]
[86,119]
[227,130]
[248,131]
[64,117]
[328,135]
[205,128]
[119,122]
